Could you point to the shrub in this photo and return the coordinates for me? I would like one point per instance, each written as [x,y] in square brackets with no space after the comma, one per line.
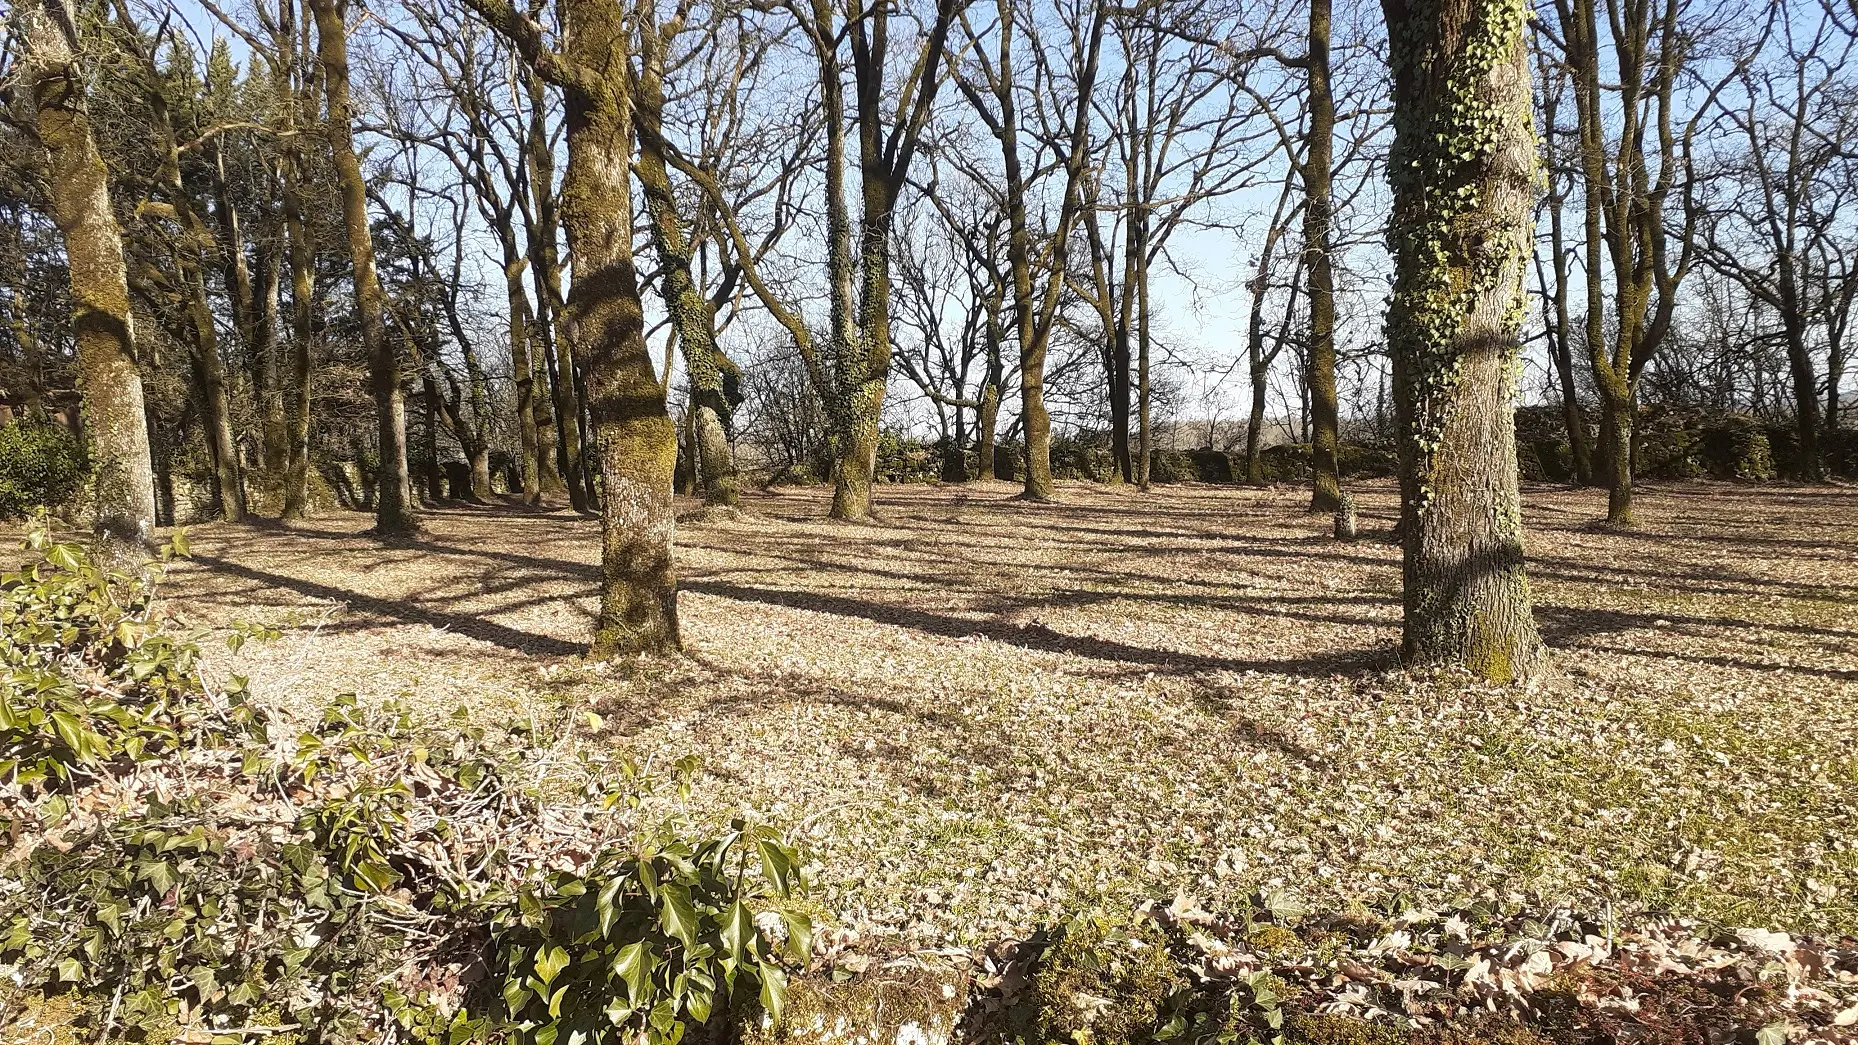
[1084,456]
[1171,466]
[1285,462]
[41,466]
[642,946]
[1737,448]
[904,460]
[89,676]
[358,875]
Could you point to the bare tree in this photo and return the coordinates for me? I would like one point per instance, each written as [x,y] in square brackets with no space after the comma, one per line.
[1773,221]
[393,507]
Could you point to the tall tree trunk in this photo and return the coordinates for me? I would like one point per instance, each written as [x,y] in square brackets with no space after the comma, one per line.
[196,245]
[429,406]
[987,415]
[270,388]
[1558,321]
[1318,217]
[1462,169]
[215,401]
[254,317]
[520,366]
[115,413]
[547,432]
[636,439]
[562,469]
[301,253]
[1145,433]
[302,256]
[1805,394]
[393,510]
[690,311]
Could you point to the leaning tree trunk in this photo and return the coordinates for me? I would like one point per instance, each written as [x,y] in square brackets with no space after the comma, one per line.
[557,412]
[1462,169]
[1318,174]
[393,509]
[115,414]
[690,309]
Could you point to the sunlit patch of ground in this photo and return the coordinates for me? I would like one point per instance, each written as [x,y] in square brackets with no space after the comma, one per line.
[979,712]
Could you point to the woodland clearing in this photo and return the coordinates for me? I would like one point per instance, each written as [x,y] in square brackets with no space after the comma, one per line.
[978,713]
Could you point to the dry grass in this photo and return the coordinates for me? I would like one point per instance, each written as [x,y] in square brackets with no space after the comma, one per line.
[981,712]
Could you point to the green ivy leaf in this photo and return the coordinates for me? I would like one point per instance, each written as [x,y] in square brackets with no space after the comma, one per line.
[738,930]
[676,914]
[634,965]
[773,992]
[799,936]
[549,963]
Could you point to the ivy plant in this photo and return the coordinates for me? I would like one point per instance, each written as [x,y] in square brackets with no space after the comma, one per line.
[648,944]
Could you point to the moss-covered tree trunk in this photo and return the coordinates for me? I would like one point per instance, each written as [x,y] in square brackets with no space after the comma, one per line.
[635,438]
[1318,217]
[393,508]
[987,415]
[302,255]
[115,414]
[1462,167]
[521,369]
[194,246]
[211,391]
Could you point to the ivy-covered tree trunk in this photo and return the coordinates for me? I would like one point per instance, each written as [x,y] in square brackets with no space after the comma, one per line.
[115,414]
[1318,210]
[1462,167]
[393,507]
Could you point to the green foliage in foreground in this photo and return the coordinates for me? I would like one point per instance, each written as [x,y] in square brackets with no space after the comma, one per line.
[88,675]
[666,937]
[41,466]
[174,866]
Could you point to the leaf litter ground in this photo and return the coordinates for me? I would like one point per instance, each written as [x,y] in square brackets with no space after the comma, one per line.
[979,714]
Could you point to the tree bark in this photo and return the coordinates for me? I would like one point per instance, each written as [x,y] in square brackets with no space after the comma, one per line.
[393,509]
[115,413]
[637,442]
[522,369]
[1318,210]
[1462,169]
[301,255]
